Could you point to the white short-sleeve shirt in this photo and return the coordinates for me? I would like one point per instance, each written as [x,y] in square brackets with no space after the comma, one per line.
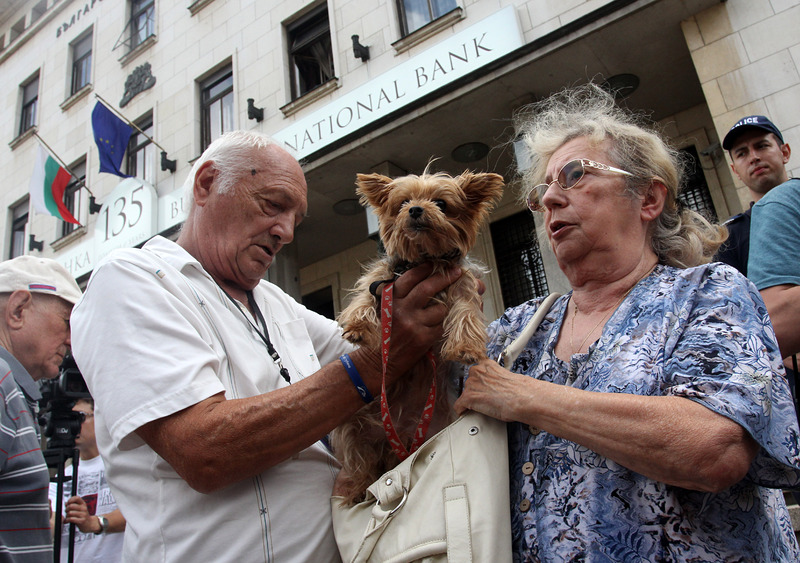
[153,335]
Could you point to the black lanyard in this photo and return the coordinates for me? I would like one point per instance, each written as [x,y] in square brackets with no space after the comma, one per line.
[264,335]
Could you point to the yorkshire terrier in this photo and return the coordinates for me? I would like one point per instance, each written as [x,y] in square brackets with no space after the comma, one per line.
[428,218]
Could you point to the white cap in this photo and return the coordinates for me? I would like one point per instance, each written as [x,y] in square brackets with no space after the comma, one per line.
[38,275]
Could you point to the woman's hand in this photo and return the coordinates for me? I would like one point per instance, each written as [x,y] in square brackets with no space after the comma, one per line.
[492,390]
[667,438]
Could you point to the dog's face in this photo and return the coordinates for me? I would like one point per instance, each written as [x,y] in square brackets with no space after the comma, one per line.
[432,215]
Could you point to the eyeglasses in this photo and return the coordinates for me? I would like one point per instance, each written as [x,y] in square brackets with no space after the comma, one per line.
[82,416]
[568,177]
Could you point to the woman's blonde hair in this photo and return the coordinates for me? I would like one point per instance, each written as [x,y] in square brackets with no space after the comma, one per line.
[680,237]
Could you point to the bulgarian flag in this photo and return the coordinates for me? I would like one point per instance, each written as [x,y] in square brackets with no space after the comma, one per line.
[48,183]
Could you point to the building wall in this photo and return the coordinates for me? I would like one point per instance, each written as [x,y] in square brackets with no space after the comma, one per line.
[730,44]
[747,56]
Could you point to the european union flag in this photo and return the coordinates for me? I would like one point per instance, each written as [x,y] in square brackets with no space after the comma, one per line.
[111,135]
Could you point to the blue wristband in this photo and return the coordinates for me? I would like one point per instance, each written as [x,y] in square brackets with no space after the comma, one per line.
[359,384]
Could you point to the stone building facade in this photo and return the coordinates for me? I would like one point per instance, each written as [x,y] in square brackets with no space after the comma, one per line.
[353,87]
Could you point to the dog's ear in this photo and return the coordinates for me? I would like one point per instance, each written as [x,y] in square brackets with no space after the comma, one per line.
[484,188]
[373,189]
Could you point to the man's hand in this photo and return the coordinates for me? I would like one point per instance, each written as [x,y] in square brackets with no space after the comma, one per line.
[78,513]
[417,316]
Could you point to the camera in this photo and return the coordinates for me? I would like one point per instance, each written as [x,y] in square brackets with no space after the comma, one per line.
[60,423]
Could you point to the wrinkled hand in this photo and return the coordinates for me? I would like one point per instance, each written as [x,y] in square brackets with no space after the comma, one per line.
[417,317]
[78,513]
[492,390]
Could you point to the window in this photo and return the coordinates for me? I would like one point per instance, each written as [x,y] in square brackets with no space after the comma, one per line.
[30,99]
[142,152]
[695,194]
[17,29]
[72,196]
[38,11]
[321,301]
[143,21]
[519,262]
[81,63]
[19,220]
[416,13]
[216,94]
[310,53]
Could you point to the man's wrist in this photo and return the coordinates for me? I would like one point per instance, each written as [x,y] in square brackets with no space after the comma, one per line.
[370,362]
[102,523]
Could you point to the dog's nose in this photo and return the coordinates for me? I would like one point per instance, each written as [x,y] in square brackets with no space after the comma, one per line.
[415,212]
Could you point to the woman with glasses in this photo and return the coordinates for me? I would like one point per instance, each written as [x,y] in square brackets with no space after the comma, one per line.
[650,417]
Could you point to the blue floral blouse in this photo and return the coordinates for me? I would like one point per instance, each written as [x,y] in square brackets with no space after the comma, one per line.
[702,333]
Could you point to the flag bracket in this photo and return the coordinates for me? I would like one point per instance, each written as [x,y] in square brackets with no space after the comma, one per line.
[34,244]
[253,112]
[167,164]
[94,207]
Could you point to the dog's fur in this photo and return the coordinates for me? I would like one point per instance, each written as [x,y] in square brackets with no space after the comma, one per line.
[428,218]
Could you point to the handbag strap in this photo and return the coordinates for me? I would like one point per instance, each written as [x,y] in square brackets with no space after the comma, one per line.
[512,351]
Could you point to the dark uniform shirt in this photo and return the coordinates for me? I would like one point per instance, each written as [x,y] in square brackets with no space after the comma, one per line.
[734,251]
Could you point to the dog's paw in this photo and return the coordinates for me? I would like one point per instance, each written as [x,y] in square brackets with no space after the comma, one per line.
[458,352]
[362,332]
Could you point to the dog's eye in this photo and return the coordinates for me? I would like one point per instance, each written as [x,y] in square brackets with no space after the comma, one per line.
[441,204]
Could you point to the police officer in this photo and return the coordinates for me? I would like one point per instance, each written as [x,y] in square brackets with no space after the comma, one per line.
[759,156]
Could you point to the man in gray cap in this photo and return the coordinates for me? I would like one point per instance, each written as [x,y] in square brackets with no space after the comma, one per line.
[36,299]
[758,156]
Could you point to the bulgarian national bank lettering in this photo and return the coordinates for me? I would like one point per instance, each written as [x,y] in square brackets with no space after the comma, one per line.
[451,59]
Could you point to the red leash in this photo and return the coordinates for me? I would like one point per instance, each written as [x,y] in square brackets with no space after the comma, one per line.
[427,412]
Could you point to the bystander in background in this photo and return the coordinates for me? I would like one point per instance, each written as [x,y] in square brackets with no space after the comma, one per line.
[93,510]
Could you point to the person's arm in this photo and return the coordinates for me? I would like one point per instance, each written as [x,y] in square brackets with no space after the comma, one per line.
[669,439]
[783,305]
[217,442]
[774,261]
[78,513]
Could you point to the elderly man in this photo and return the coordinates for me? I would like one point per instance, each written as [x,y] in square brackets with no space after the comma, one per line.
[36,298]
[213,388]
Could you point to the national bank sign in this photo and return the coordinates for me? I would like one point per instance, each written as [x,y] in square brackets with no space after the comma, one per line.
[456,56]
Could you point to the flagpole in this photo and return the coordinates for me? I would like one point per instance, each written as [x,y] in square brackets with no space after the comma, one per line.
[128,121]
[61,162]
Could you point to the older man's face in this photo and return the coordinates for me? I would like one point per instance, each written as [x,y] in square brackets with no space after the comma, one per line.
[44,338]
[246,227]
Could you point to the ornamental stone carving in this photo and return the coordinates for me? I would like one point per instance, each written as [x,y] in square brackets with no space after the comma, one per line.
[138,81]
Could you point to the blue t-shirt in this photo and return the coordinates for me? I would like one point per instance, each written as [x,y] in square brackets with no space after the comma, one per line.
[700,333]
[775,237]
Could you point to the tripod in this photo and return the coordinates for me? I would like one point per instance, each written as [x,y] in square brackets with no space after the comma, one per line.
[57,457]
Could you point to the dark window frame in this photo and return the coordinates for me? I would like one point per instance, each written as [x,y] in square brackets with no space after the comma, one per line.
[72,196]
[695,193]
[436,9]
[81,63]
[520,267]
[30,104]
[216,88]
[143,21]
[311,61]
[141,151]
[18,225]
